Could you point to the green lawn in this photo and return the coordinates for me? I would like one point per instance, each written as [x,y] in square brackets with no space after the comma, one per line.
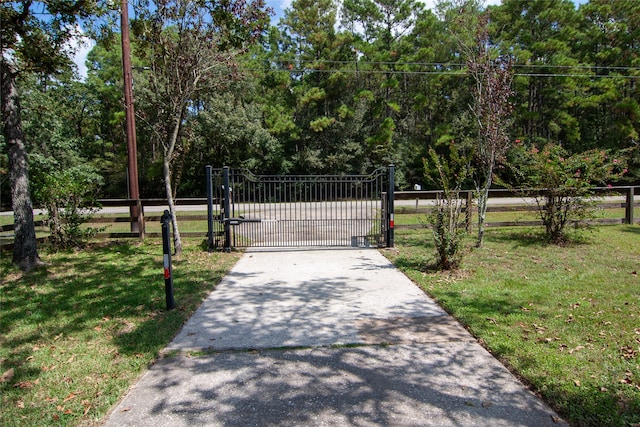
[76,335]
[565,319]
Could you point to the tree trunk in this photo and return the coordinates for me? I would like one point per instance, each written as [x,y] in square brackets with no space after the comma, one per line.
[25,252]
[177,240]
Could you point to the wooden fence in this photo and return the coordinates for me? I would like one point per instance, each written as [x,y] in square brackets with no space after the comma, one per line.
[506,208]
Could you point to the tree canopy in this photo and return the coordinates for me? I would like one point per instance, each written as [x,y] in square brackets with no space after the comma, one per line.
[335,86]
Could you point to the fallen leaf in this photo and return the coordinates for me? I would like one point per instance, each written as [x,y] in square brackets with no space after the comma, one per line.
[555,419]
[23,384]
[71,358]
[580,347]
[127,409]
[577,383]
[7,376]
[69,397]
[57,337]
[20,404]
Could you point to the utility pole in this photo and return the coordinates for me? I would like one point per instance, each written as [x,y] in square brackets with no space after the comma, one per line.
[135,211]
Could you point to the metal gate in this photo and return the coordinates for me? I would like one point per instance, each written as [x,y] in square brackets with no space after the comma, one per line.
[299,211]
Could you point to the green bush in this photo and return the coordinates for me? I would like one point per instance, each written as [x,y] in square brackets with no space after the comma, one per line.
[445,217]
[68,196]
[563,184]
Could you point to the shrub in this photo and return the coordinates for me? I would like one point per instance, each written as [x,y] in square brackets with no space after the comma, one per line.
[562,184]
[445,217]
[68,196]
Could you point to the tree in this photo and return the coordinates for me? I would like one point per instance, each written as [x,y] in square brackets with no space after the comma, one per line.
[541,36]
[491,108]
[33,38]
[190,48]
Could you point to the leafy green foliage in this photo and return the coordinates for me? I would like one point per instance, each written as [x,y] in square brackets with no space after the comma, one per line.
[563,184]
[69,197]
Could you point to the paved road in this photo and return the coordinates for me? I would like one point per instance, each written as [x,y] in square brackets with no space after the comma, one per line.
[325,338]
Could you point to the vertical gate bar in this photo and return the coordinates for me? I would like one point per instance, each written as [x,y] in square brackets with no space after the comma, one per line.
[209,177]
[391,207]
[226,206]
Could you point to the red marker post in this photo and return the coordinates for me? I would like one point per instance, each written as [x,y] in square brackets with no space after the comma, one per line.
[168,272]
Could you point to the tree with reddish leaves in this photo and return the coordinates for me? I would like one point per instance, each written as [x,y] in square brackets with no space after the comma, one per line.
[492,108]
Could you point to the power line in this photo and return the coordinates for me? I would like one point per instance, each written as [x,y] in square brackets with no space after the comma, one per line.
[454,64]
[458,73]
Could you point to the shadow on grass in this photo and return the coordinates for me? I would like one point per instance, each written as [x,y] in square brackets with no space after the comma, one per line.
[115,289]
[633,229]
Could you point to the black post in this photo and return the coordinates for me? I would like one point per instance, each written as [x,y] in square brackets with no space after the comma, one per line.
[227,208]
[168,271]
[391,207]
[209,175]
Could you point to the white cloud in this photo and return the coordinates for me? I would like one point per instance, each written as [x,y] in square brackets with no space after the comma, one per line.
[78,48]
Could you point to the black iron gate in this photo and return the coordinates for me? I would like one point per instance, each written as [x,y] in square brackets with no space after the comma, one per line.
[299,211]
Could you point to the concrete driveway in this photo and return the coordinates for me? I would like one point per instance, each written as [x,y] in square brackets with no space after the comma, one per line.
[325,338]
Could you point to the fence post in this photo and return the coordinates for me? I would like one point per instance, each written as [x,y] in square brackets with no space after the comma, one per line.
[168,270]
[629,219]
[391,207]
[209,178]
[227,208]
[141,221]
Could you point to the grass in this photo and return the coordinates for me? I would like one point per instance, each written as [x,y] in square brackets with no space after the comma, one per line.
[77,334]
[564,319]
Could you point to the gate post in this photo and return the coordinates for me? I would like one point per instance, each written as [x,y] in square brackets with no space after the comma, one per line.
[226,191]
[209,177]
[390,206]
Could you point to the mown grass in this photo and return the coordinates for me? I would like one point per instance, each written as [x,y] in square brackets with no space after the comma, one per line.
[78,333]
[565,319]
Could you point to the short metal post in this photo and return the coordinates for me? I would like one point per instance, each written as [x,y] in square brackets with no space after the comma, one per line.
[209,178]
[391,207]
[227,208]
[168,271]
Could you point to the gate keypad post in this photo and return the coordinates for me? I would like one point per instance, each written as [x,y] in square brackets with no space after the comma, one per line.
[168,270]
